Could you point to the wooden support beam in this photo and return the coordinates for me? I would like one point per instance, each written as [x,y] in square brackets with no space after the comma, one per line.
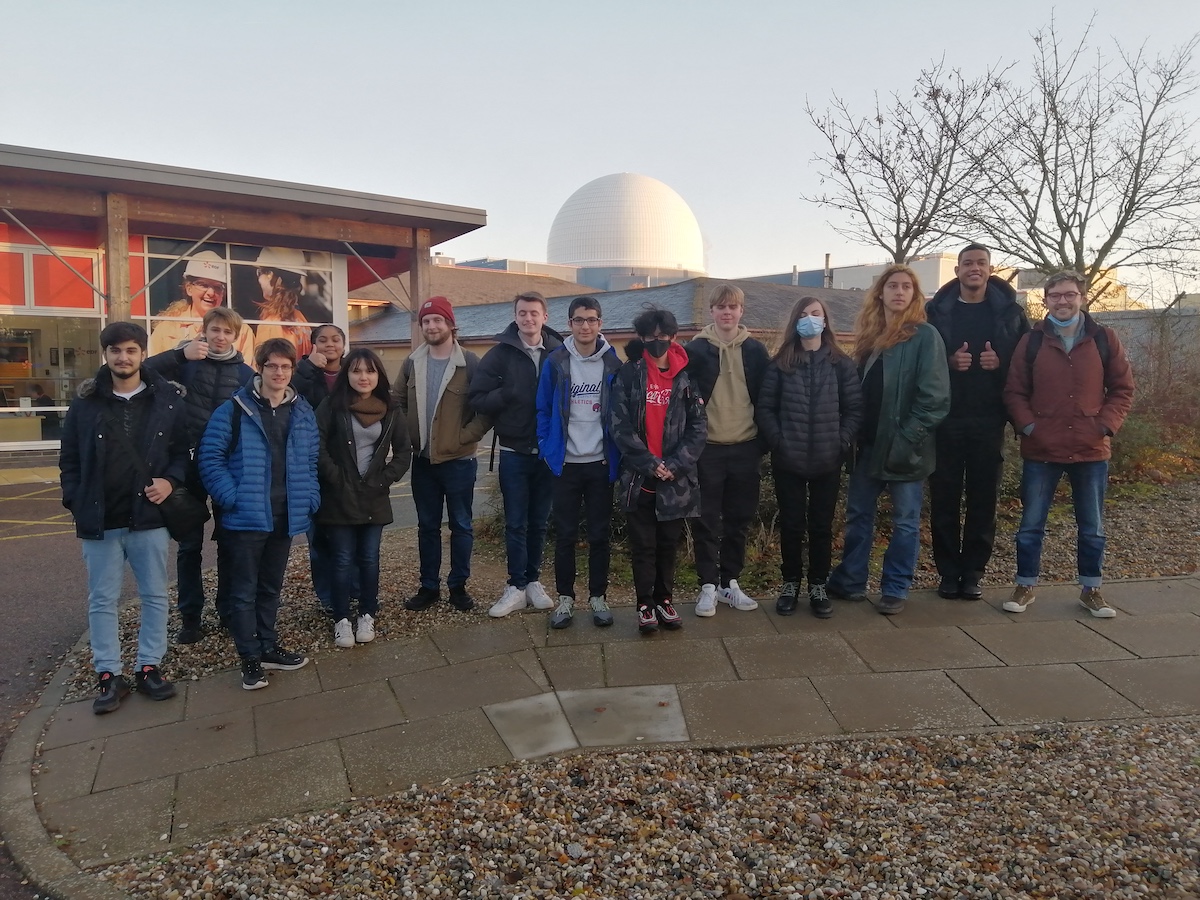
[63,201]
[114,241]
[419,278]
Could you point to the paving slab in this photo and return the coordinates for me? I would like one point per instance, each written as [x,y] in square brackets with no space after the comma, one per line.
[67,772]
[75,722]
[847,616]
[532,726]
[1162,687]
[667,662]
[113,825]
[574,667]
[753,712]
[478,641]
[377,661]
[479,682]
[891,702]
[330,714]
[926,609]
[728,622]
[178,747]
[422,752]
[614,716]
[793,655]
[1017,695]
[1150,636]
[223,691]
[582,631]
[1150,598]
[253,790]
[1045,643]
[532,666]
[916,649]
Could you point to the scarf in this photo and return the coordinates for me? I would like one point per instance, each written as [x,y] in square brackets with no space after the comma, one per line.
[368,411]
[223,357]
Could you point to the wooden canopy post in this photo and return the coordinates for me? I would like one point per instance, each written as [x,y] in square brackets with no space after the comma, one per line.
[114,229]
[418,282]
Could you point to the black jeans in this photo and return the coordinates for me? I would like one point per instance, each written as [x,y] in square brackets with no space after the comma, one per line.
[970,458]
[729,483]
[585,483]
[652,546]
[257,562]
[806,504]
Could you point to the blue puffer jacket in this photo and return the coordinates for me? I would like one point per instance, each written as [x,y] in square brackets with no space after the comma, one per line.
[238,477]
[554,408]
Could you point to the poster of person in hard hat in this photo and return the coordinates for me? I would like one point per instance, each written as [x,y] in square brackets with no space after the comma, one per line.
[205,286]
[288,294]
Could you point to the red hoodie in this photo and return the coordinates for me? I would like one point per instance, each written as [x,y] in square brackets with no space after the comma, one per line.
[658,394]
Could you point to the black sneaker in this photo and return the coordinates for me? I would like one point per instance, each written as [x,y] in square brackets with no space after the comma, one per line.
[423,599]
[839,594]
[460,599]
[190,632]
[890,606]
[647,619]
[113,688]
[149,681]
[785,605]
[667,617]
[949,589]
[818,601]
[283,660]
[971,589]
[253,676]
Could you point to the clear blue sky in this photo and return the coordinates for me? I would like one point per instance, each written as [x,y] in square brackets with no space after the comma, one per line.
[511,106]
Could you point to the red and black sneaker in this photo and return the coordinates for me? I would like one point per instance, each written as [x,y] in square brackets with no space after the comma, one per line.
[667,617]
[647,620]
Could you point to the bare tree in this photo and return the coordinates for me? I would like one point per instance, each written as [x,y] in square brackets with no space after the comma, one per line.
[897,177]
[1098,167]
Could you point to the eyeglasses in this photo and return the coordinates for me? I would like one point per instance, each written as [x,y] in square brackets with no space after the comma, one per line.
[209,286]
[1064,295]
[278,367]
[589,321]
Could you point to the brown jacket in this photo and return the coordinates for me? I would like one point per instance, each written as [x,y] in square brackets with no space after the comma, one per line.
[1073,401]
[456,428]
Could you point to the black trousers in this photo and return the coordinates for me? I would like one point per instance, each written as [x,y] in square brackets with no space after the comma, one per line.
[806,505]
[729,483]
[652,546]
[586,484]
[962,495]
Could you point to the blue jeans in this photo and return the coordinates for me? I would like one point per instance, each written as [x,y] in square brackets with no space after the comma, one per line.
[451,483]
[527,486]
[320,565]
[1089,480]
[355,557]
[146,552]
[900,558]
[257,563]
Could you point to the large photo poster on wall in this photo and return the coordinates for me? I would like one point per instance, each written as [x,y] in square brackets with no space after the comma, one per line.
[278,291]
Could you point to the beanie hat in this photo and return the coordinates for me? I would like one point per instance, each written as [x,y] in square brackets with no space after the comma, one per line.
[436,306]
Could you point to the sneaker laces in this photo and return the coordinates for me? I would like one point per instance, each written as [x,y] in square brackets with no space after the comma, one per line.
[565,605]
[817,592]
[789,589]
[598,604]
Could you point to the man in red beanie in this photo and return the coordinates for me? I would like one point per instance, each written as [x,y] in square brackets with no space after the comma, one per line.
[432,391]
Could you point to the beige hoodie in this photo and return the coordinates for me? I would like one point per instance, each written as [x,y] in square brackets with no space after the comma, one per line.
[730,415]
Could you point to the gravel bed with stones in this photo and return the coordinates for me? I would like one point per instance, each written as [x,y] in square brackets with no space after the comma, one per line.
[1083,812]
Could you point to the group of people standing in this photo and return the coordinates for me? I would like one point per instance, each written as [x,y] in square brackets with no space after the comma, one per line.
[677,431]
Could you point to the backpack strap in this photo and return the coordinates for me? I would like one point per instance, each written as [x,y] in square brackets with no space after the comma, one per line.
[1035,344]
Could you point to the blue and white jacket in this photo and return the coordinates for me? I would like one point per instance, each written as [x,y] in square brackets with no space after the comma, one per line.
[554,407]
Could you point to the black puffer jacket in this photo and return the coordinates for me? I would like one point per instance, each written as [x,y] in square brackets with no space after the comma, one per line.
[809,416]
[704,365]
[309,382]
[209,383]
[504,388]
[348,498]
[87,441]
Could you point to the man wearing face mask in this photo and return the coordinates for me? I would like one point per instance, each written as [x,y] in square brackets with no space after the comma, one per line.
[980,323]
[1068,391]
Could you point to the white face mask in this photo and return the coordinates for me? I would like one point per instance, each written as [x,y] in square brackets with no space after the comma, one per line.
[810,326]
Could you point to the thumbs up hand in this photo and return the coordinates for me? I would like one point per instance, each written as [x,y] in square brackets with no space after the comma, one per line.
[989,359]
[960,359]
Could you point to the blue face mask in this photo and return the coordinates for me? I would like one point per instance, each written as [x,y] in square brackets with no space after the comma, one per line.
[1067,323]
[810,326]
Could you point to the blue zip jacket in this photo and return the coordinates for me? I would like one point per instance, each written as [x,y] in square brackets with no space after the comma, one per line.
[238,478]
[554,407]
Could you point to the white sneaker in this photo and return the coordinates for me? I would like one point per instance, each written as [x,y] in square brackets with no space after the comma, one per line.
[343,634]
[706,602]
[737,598]
[365,633]
[537,595]
[511,600]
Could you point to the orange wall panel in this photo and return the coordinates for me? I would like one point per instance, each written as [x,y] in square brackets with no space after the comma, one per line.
[12,279]
[56,288]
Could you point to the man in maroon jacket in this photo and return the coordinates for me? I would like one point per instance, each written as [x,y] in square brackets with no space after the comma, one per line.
[1068,391]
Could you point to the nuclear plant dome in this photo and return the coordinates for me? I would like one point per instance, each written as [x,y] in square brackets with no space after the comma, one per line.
[626,220]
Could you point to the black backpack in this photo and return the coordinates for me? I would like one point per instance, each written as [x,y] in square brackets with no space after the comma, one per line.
[1035,344]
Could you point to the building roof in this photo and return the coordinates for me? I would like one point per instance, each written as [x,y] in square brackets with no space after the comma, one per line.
[470,287]
[54,168]
[767,309]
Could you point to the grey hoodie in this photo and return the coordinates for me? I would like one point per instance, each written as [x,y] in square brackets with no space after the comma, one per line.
[585,430]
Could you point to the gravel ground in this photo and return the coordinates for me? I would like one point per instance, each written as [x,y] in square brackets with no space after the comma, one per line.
[1089,812]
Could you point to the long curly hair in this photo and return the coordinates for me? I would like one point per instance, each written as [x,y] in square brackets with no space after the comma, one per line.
[872,329]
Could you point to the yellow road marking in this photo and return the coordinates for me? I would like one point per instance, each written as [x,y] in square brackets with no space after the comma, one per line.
[19,537]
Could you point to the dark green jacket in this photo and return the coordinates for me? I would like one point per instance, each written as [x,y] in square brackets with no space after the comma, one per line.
[916,397]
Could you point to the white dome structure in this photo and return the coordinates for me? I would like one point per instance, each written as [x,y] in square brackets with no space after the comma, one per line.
[626,220]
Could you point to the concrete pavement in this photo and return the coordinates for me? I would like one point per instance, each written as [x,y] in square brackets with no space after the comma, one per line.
[78,790]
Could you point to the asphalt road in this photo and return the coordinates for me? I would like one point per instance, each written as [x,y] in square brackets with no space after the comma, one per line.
[43,601]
